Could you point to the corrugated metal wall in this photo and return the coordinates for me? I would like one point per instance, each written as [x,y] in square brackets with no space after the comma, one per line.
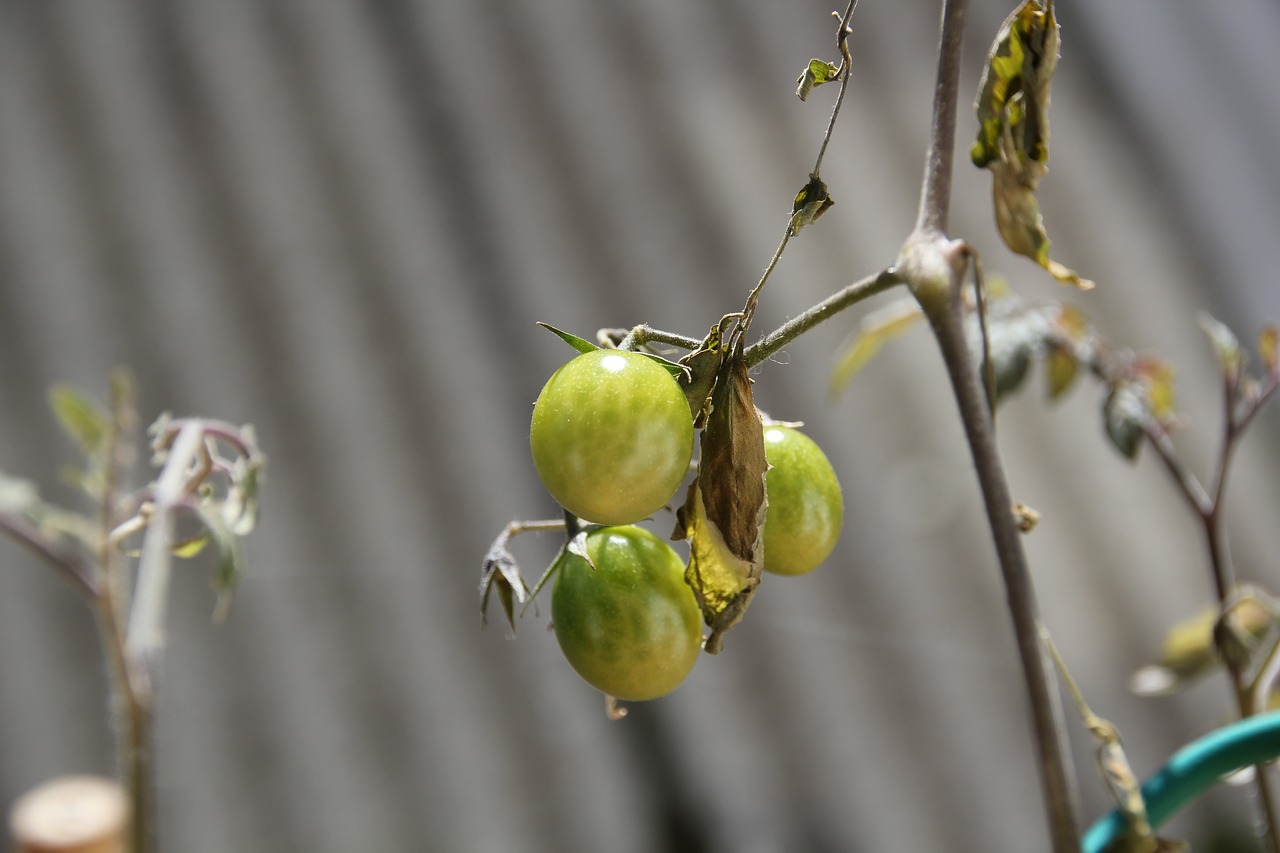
[340,220]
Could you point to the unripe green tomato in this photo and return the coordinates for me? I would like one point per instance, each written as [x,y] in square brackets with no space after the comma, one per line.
[806,509]
[611,436]
[631,626]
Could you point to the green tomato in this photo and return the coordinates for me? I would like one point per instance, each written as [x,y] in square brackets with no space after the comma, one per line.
[611,436]
[806,510]
[631,626]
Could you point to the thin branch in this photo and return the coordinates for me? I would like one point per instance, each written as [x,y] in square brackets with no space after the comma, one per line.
[842,41]
[758,352]
[1209,509]
[1190,488]
[133,701]
[786,333]
[988,364]
[1057,774]
[824,310]
[239,437]
[934,268]
[846,61]
[646,334]
[1225,582]
[65,561]
[130,696]
[1235,425]
[753,298]
[935,194]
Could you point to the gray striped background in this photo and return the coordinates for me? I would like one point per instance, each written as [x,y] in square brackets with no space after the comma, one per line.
[340,220]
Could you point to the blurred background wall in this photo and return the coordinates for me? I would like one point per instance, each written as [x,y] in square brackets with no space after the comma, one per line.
[340,220]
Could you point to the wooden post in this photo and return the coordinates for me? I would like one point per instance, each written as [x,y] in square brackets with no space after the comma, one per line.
[71,814]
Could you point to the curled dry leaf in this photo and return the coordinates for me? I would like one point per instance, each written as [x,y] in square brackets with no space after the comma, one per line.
[1013,134]
[1021,225]
[501,573]
[810,203]
[817,72]
[1125,789]
[701,368]
[723,515]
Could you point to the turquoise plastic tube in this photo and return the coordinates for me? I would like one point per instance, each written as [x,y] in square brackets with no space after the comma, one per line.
[1193,770]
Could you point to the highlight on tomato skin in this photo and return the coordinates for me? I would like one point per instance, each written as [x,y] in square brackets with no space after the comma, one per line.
[630,627]
[805,511]
[611,436]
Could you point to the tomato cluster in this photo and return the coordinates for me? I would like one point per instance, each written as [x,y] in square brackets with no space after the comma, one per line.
[612,440]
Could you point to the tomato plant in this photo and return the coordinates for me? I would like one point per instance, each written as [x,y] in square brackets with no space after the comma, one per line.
[629,626]
[611,436]
[806,509]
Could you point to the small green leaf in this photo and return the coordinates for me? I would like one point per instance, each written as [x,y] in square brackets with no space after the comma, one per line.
[1225,345]
[1157,380]
[189,548]
[577,546]
[819,71]
[580,344]
[1011,367]
[677,370]
[1125,415]
[1061,369]
[230,558]
[810,203]
[84,421]
[876,329]
[1267,347]
[1017,332]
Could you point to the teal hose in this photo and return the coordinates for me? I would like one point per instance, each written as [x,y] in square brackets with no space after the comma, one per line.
[1193,770]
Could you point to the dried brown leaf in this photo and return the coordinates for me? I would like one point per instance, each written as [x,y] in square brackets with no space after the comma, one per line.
[723,516]
[1013,134]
